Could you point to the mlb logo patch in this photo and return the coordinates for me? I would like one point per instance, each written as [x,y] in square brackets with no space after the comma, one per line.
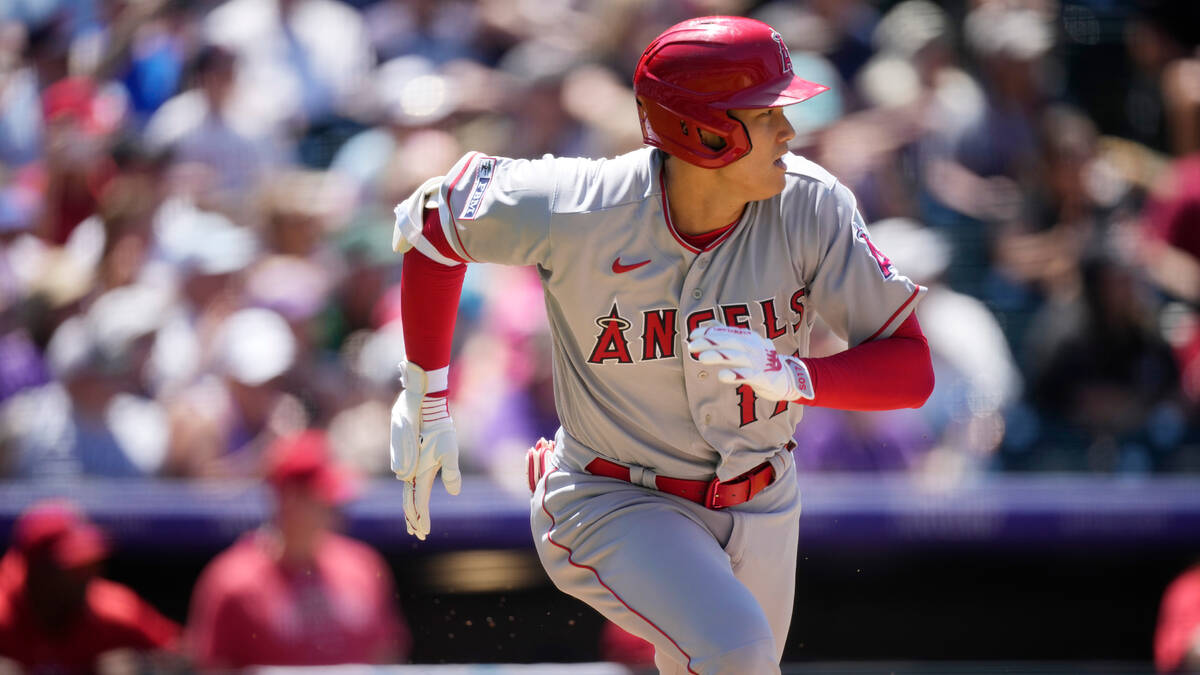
[483,178]
[785,57]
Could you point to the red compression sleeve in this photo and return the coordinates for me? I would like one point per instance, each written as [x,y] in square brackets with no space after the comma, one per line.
[429,293]
[895,372]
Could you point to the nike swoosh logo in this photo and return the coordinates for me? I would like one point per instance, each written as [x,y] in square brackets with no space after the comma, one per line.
[618,268]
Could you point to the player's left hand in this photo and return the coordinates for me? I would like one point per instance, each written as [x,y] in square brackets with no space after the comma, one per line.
[421,445]
[749,358]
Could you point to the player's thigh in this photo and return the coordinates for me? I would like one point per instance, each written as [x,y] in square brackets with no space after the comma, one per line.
[762,549]
[638,558]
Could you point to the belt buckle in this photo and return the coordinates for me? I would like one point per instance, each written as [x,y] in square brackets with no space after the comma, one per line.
[712,496]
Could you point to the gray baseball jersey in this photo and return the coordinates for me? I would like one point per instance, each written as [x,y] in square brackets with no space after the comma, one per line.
[623,290]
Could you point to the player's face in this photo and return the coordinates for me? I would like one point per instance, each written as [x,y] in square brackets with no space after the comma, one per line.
[759,174]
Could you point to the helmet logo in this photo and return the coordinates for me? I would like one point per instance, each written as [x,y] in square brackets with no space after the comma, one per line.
[784,57]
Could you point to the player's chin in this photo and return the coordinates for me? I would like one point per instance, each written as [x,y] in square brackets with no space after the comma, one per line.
[766,190]
[775,181]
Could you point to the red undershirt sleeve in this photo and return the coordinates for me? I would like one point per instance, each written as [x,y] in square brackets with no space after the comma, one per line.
[894,372]
[429,294]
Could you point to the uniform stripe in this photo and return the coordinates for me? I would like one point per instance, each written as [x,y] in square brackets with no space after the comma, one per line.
[434,407]
[435,234]
[895,314]
[591,569]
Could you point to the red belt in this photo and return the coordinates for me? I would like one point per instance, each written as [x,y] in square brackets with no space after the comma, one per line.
[714,494]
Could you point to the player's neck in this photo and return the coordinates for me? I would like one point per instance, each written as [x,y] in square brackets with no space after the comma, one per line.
[698,201]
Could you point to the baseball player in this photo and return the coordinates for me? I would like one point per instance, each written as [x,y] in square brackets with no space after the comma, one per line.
[681,282]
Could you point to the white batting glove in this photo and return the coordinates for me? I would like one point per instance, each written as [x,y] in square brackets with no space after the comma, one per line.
[423,442]
[749,358]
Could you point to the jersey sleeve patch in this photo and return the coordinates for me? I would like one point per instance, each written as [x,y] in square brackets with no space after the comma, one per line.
[886,268]
[483,178]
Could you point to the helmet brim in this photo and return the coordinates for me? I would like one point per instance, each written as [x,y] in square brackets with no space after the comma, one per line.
[787,90]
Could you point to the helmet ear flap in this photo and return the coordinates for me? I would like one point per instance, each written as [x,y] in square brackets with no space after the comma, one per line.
[682,135]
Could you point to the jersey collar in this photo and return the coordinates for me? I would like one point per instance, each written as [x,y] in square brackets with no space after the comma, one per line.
[679,236]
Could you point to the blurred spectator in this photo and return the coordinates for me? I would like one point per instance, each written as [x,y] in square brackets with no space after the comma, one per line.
[982,148]
[541,124]
[254,350]
[850,23]
[1171,252]
[35,284]
[1159,33]
[1077,206]
[503,386]
[435,29]
[1170,247]
[1177,639]
[148,48]
[56,613]
[304,63]
[20,108]
[95,418]
[299,209]
[386,162]
[207,255]
[197,127]
[370,265]
[80,119]
[238,402]
[1103,379]
[294,592]
[977,378]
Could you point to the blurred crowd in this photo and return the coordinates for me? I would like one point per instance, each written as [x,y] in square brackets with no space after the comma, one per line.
[292,592]
[196,201]
[197,282]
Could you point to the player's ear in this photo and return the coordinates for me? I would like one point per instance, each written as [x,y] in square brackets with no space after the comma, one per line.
[712,141]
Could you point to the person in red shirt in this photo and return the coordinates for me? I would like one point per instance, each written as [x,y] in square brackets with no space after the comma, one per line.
[56,614]
[1177,640]
[293,592]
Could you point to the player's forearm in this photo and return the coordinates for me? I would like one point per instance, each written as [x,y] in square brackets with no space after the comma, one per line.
[429,294]
[895,372]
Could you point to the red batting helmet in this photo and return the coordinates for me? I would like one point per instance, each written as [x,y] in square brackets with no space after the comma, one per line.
[696,71]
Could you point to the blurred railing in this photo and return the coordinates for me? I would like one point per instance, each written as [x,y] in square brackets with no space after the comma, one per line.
[840,511]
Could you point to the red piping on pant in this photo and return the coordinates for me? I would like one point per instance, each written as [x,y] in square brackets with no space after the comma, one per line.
[606,586]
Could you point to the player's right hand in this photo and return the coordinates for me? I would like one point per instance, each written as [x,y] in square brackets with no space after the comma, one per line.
[535,462]
[749,358]
[423,442]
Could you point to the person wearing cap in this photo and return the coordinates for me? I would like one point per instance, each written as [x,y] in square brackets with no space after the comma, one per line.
[254,351]
[80,120]
[56,613]
[294,592]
